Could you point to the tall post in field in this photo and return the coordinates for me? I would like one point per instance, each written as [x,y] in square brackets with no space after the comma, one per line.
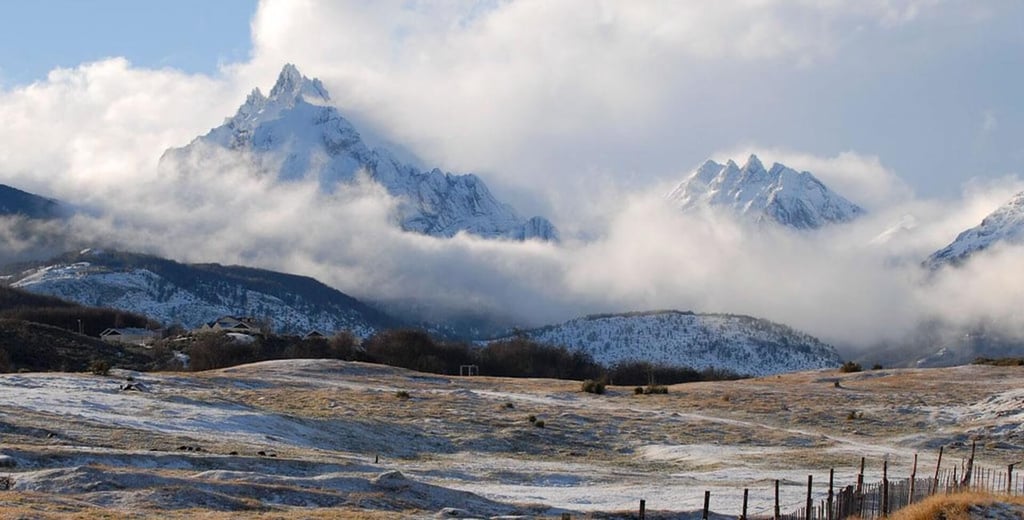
[935,481]
[860,488]
[969,469]
[707,505]
[777,515]
[743,515]
[831,493]
[885,489]
[913,481]
[810,500]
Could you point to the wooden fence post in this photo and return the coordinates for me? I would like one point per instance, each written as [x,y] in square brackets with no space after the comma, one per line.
[913,481]
[860,489]
[969,470]
[937,466]
[643,508]
[810,500]
[777,515]
[885,489]
[1009,479]
[860,476]
[743,515]
[831,493]
[707,505]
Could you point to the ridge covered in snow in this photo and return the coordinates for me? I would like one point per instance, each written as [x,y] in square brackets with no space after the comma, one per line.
[295,133]
[192,294]
[1004,225]
[780,194]
[740,344]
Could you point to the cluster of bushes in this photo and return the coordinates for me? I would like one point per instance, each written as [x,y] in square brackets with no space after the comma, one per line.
[593,387]
[219,350]
[850,367]
[517,357]
[634,373]
[1000,362]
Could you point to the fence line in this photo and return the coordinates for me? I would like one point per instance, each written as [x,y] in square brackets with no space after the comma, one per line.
[877,500]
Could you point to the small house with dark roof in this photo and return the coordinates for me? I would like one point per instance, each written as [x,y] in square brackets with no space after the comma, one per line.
[240,324]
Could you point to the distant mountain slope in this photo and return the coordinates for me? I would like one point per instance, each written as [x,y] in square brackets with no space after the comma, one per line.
[1004,225]
[16,202]
[782,195]
[740,344]
[294,133]
[191,294]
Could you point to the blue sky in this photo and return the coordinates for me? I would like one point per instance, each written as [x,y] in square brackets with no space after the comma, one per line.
[191,35]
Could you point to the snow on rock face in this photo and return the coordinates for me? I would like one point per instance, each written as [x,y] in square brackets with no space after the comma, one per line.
[191,295]
[1004,225]
[741,344]
[781,194]
[294,133]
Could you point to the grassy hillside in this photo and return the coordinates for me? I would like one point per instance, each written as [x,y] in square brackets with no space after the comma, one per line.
[39,333]
[37,347]
[16,304]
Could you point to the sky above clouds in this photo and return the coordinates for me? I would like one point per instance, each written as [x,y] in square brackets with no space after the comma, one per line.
[194,36]
[585,111]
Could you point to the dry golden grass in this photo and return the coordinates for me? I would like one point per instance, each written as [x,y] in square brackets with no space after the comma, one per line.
[953,507]
[466,424]
[25,506]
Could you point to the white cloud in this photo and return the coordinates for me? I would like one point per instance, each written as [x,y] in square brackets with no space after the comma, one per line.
[102,125]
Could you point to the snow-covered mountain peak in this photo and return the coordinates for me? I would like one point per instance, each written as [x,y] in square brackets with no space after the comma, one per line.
[781,194]
[256,99]
[753,164]
[292,85]
[291,89]
[1004,225]
[296,134]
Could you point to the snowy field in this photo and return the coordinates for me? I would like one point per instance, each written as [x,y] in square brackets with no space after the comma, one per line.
[307,438]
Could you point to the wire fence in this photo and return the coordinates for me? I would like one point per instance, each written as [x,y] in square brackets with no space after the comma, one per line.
[879,499]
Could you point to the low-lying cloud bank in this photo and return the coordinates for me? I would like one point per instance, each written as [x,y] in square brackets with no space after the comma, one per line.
[853,285]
